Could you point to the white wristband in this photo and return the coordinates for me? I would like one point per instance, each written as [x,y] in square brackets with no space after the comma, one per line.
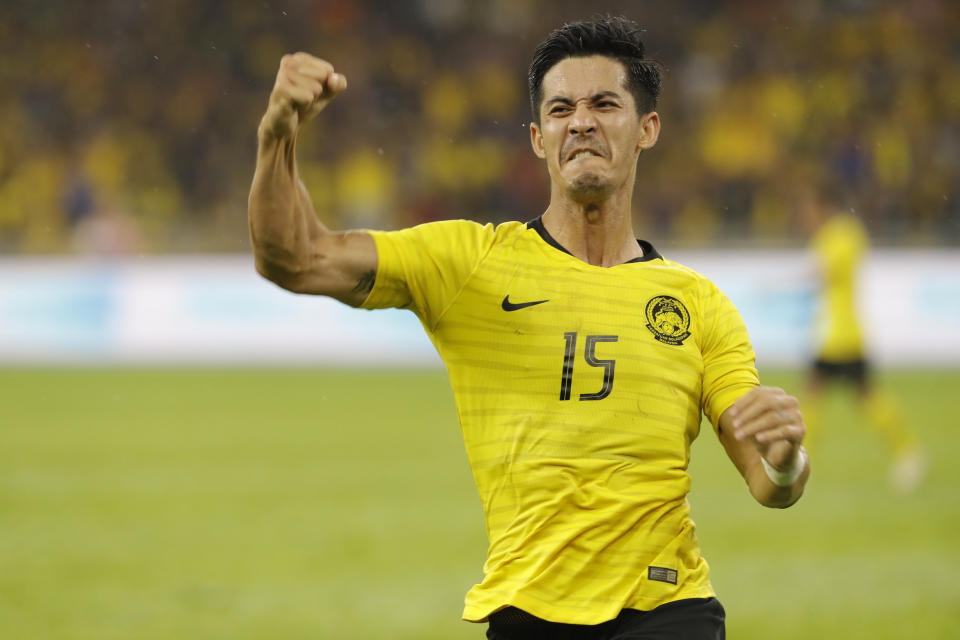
[788,476]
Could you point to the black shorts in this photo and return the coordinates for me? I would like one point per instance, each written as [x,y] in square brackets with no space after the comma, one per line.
[690,619]
[849,370]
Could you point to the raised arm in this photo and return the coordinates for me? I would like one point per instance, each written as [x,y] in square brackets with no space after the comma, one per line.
[292,248]
[766,424]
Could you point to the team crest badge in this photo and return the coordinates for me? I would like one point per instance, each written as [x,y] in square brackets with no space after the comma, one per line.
[668,320]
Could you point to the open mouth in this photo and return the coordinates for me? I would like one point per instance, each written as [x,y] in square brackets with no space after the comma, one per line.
[579,154]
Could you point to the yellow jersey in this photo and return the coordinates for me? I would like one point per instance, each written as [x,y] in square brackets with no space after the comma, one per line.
[579,390]
[839,247]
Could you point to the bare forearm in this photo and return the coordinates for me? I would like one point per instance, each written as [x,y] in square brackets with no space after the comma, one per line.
[769,494]
[292,248]
[283,226]
[766,424]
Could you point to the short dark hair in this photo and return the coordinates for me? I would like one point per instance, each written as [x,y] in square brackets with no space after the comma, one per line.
[612,36]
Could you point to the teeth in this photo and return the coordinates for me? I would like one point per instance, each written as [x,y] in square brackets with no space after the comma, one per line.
[582,154]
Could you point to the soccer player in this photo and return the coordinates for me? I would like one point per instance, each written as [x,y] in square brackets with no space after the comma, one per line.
[580,358]
[839,244]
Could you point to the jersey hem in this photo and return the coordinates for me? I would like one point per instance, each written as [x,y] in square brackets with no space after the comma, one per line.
[553,614]
[370,302]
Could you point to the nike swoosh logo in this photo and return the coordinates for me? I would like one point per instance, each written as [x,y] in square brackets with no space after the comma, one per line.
[506,305]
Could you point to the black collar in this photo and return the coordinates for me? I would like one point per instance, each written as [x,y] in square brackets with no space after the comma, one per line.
[649,253]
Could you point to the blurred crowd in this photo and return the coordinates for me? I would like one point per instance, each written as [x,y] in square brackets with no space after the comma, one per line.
[130,127]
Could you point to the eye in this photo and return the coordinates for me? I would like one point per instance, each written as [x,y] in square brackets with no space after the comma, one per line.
[559,109]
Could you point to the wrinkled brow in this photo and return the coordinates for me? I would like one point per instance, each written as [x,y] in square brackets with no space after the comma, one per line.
[594,98]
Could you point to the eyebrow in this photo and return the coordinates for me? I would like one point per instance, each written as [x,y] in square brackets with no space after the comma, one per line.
[595,97]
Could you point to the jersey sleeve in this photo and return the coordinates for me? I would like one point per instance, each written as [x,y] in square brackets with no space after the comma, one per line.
[423,268]
[729,363]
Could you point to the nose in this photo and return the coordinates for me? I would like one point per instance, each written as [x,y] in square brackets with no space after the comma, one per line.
[583,121]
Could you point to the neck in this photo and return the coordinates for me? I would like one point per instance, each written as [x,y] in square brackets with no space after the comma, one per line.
[597,232]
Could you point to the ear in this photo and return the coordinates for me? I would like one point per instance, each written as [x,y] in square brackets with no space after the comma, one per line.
[536,140]
[649,131]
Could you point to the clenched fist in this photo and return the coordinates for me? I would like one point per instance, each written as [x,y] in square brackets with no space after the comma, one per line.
[305,85]
[771,420]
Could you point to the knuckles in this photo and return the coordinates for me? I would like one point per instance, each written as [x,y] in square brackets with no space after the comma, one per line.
[301,81]
[777,398]
[296,62]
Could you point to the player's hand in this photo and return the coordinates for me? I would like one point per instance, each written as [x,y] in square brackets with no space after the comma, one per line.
[304,86]
[771,420]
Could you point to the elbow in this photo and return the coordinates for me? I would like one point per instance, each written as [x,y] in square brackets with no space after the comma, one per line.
[288,261]
[778,504]
[778,497]
[772,495]
[270,270]
[284,274]
[266,270]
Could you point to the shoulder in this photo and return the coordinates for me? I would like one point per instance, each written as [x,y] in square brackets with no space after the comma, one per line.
[464,227]
[448,227]
[437,233]
[682,275]
[444,242]
[704,296]
[681,270]
[482,236]
[511,229]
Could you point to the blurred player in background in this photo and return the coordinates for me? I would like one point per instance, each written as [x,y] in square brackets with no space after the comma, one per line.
[580,359]
[839,245]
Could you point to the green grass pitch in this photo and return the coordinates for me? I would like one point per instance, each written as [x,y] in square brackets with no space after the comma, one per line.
[241,504]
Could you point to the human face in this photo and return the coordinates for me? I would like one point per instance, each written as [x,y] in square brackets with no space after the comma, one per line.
[589,131]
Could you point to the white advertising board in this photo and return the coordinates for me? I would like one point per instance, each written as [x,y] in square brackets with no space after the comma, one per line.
[199,310]
[217,310]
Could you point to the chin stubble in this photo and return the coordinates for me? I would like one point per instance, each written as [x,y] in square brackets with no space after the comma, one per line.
[589,184]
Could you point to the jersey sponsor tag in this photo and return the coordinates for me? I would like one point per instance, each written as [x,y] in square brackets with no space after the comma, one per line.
[662,574]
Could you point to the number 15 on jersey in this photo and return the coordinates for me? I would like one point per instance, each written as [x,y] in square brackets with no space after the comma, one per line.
[589,354]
